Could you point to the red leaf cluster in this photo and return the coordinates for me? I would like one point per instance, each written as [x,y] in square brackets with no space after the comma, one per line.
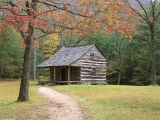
[75,31]
[23,45]
[36,44]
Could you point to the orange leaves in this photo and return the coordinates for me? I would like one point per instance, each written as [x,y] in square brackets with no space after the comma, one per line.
[23,45]
[19,7]
[66,6]
[110,29]
[86,13]
[38,12]
[25,28]
[88,21]
[84,3]
[111,10]
[36,44]
[116,15]
[54,0]
[63,18]
[75,31]
[130,12]
[19,1]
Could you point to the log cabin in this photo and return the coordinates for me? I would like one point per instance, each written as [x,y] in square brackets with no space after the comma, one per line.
[79,64]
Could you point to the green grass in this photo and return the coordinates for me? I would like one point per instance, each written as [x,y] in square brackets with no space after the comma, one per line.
[9,109]
[109,102]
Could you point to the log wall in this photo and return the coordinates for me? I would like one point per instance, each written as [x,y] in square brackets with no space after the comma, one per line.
[93,67]
[51,74]
[75,73]
[58,74]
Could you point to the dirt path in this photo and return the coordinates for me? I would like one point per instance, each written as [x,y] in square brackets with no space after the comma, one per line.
[60,107]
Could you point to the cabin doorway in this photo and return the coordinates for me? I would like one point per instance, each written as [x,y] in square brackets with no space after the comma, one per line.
[63,74]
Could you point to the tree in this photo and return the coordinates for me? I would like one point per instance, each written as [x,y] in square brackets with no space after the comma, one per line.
[149,12]
[50,45]
[10,52]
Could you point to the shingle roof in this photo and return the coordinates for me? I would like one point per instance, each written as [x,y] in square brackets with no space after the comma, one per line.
[66,56]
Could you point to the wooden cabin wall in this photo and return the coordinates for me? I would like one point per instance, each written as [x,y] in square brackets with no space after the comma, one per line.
[75,74]
[59,73]
[51,74]
[93,68]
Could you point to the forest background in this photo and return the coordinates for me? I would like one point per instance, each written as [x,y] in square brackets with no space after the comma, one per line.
[128,58]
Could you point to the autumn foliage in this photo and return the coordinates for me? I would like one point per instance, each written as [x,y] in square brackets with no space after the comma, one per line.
[89,16]
[50,45]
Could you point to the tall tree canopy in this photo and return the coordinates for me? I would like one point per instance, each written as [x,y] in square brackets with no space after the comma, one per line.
[10,62]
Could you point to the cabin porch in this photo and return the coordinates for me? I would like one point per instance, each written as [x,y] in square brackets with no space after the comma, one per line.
[62,75]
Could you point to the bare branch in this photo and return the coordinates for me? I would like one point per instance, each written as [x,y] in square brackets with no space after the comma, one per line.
[136,11]
[61,8]
[143,40]
[46,33]
[158,12]
[80,39]
[156,47]
[143,9]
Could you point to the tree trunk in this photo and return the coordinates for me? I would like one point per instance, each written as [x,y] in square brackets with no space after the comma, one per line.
[24,86]
[0,73]
[34,64]
[120,63]
[115,45]
[120,71]
[34,57]
[153,70]
[153,78]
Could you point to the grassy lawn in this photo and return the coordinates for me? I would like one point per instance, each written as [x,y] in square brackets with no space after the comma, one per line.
[9,90]
[109,102]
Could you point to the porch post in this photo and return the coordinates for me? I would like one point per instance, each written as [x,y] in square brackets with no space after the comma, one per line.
[54,73]
[49,74]
[68,73]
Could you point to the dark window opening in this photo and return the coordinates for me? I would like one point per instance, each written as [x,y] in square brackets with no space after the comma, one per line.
[91,55]
[94,72]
